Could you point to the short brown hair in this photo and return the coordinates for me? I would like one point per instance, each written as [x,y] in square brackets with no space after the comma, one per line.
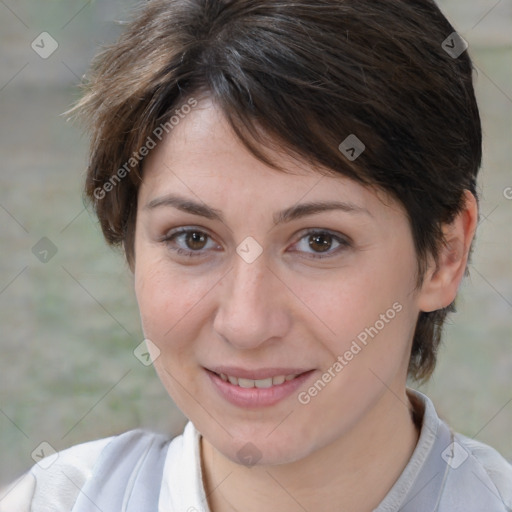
[304,75]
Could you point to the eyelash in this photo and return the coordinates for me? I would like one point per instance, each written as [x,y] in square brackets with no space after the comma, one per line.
[342,241]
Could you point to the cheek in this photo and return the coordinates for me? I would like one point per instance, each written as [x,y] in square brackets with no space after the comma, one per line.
[347,304]
[175,306]
[167,301]
[164,298]
[366,316]
[373,322]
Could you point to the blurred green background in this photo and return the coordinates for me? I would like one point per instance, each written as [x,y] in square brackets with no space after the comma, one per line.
[69,326]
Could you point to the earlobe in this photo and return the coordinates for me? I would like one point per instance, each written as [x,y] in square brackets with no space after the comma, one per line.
[442,280]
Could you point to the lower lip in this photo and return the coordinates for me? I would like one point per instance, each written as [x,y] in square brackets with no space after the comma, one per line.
[257,397]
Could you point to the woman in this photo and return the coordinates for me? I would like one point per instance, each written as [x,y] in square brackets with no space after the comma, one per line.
[294,186]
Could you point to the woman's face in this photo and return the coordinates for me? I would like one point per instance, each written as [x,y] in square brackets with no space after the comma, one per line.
[242,273]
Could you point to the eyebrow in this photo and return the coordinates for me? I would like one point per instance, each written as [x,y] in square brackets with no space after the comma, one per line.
[287,215]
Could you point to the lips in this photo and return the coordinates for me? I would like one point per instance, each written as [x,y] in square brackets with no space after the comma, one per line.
[256,388]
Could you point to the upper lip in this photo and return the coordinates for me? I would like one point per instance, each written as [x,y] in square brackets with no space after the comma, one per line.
[256,374]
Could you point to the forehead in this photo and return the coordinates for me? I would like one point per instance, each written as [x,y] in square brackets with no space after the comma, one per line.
[203,157]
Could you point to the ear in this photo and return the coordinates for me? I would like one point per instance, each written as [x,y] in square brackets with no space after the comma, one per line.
[441,281]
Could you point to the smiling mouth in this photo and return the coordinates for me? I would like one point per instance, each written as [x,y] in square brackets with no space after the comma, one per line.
[263,387]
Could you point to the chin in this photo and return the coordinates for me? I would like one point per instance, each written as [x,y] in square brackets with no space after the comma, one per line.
[268,446]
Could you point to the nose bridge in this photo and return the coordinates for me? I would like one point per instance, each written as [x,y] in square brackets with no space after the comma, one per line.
[250,310]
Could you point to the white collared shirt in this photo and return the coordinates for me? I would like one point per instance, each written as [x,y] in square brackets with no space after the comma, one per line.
[447,472]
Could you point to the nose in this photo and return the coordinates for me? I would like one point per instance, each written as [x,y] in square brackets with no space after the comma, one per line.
[252,308]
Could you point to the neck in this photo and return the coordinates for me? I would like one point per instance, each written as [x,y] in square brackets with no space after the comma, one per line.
[355,472]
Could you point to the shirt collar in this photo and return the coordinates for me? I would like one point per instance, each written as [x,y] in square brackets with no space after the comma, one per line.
[420,483]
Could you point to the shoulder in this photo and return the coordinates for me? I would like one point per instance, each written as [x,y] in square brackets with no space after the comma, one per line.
[466,474]
[484,468]
[59,475]
[54,483]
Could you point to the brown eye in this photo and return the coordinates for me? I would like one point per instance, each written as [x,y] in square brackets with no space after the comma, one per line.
[189,242]
[195,240]
[321,242]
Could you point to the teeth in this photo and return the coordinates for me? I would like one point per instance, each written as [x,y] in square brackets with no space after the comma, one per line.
[261,383]
[278,380]
[245,383]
